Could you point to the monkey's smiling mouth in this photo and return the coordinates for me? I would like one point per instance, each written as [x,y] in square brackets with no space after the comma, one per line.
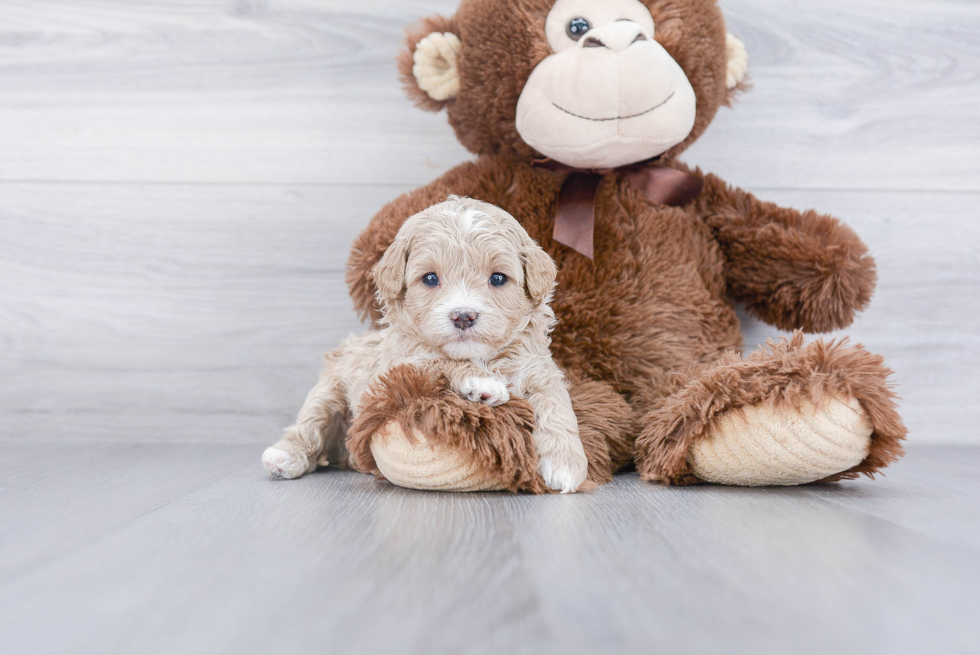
[616,118]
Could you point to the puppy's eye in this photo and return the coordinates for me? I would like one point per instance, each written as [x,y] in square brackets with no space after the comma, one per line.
[430,280]
[498,279]
[576,28]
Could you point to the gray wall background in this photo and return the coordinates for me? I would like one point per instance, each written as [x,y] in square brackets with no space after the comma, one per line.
[180,182]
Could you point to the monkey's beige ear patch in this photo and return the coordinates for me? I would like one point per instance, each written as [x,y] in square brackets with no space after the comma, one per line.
[435,67]
[738,61]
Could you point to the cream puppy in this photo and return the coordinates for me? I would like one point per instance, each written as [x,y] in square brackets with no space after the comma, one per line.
[465,293]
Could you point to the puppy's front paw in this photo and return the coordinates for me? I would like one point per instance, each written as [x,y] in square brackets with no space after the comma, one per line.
[281,464]
[564,472]
[488,391]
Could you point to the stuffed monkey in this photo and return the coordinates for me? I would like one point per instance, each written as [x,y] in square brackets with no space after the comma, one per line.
[577,111]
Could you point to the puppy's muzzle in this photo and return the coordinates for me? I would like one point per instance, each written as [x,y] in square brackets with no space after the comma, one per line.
[463,319]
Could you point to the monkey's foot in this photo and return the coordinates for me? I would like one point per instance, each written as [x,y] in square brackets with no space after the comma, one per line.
[768,444]
[418,464]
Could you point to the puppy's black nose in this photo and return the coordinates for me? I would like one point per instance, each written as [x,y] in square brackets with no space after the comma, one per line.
[463,319]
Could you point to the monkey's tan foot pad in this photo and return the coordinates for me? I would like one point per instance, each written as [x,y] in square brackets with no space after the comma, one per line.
[417,464]
[767,444]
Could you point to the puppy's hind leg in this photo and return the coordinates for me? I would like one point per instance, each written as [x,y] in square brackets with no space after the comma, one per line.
[317,437]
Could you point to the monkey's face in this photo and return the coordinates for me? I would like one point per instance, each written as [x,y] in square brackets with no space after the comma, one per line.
[589,83]
[610,95]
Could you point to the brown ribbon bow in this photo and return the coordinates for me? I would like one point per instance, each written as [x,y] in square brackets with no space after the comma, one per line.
[575,216]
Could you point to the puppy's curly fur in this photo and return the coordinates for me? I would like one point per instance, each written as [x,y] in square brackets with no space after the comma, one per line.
[465,293]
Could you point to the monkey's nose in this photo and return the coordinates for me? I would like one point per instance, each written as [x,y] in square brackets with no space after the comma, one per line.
[463,319]
[616,36]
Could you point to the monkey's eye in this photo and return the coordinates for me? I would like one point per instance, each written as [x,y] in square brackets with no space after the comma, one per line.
[576,28]
[430,280]
[498,279]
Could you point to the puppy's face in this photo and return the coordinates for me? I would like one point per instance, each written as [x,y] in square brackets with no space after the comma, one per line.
[464,279]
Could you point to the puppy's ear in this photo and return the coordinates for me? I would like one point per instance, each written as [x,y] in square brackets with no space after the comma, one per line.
[540,272]
[428,64]
[389,273]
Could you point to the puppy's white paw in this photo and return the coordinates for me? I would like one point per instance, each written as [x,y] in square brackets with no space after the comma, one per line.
[281,464]
[488,391]
[563,472]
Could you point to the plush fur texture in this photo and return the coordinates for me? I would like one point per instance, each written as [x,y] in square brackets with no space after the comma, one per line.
[498,441]
[647,329]
[779,263]
[784,373]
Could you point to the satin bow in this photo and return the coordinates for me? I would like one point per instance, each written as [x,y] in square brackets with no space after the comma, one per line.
[575,216]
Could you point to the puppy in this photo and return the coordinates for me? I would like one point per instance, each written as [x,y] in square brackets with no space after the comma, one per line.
[465,293]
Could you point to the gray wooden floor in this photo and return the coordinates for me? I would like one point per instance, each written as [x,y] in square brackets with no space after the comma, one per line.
[180,182]
[163,548]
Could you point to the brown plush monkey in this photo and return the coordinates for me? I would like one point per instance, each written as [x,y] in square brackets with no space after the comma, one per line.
[577,111]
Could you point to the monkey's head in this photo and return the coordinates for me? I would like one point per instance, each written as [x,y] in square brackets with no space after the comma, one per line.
[588,83]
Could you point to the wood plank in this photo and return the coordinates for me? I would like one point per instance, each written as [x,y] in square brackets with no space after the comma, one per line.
[909,501]
[298,92]
[199,313]
[294,91]
[57,497]
[855,95]
[338,562]
[195,312]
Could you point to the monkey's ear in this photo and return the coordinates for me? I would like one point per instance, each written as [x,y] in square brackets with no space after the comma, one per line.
[738,65]
[540,272]
[388,274]
[428,64]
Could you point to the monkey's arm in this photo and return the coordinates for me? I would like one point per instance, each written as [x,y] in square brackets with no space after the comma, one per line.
[794,270]
[468,179]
